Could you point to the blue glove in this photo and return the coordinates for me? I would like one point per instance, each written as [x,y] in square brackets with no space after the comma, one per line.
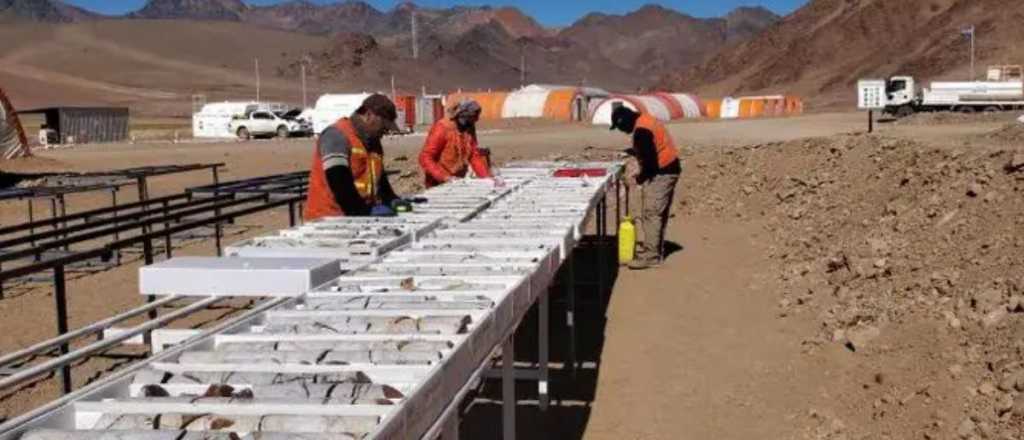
[382,211]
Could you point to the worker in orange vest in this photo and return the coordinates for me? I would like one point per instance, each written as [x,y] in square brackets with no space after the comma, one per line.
[452,149]
[347,175]
[660,168]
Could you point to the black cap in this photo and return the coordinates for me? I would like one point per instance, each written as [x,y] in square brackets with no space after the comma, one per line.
[621,116]
[381,106]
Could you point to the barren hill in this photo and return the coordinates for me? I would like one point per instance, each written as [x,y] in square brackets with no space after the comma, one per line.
[823,48]
[47,11]
[655,40]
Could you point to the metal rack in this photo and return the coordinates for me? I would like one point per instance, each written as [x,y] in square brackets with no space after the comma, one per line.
[385,351]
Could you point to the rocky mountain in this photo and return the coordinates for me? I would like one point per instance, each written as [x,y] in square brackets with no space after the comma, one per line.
[47,11]
[232,10]
[822,49]
[655,39]
[745,22]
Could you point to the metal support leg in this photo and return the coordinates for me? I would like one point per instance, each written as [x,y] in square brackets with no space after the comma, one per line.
[31,219]
[291,214]
[570,314]
[217,233]
[544,352]
[147,255]
[63,212]
[167,237]
[117,235]
[60,298]
[508,389]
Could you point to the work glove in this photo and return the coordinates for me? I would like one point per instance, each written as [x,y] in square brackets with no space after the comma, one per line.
[382,211]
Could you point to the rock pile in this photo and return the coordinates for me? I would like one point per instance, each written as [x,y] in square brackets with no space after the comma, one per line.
[877,239]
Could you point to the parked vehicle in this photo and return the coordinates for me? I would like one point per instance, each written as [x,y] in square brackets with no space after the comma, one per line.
[1004,90]
[263,123]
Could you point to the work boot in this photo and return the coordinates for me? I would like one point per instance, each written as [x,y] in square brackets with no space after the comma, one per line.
[644,263]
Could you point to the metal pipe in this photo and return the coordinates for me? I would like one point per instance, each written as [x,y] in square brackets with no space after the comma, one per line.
[90,349]
[95,327]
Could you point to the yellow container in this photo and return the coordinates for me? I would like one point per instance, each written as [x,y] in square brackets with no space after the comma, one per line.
[627,240]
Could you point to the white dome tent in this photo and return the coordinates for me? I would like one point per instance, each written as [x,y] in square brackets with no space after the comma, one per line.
[527,102]
[329,108]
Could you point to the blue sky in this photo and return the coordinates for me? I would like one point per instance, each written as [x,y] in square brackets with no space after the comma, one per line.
[549,12]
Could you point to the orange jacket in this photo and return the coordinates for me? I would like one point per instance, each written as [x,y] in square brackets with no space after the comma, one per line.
[666,147]
[449,153]
[366,169]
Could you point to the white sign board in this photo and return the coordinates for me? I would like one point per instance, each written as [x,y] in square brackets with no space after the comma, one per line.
[871,94]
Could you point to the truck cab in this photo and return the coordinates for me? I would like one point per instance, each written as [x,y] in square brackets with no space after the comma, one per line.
[900,91]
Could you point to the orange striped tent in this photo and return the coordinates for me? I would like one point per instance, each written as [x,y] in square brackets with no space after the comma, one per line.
[492,103]
[675,108]
[713,108]
[562,105]
[793,105]
[757,108]
[746,107]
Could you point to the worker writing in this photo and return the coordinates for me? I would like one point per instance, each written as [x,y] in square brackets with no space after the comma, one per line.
[660,168]
[347,175]
[452,148]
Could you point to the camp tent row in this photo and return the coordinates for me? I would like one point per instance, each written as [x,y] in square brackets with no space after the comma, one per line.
[565,103]
[554,102]
[13,142]
[753,107]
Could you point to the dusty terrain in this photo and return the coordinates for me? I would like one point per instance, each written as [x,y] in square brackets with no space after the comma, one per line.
[830,284]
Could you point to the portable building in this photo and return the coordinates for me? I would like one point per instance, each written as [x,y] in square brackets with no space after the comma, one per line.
[429,109]
[82,125]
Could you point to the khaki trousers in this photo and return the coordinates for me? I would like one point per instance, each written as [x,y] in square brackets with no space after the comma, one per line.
[657,204]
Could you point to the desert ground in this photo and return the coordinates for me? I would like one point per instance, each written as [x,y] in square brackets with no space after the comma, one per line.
[827,283]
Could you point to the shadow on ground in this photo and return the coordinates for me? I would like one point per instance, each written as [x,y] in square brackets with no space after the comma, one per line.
[572,392]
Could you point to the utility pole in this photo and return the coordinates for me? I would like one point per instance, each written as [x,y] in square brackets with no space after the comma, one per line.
[415,40]
[303,85]
[968,31]
[257,60]
[522,66]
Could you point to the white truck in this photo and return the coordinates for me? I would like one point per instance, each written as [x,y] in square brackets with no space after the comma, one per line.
[265,123]
[1003,91]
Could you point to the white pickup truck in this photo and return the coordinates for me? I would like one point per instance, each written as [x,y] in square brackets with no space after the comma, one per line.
[262,123]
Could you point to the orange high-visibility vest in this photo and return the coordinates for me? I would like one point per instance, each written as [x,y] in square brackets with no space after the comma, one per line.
[367,167]
[667,151]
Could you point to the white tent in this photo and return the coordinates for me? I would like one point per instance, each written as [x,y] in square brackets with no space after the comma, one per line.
[603,112]
[214,119]
[655,107]
[691,105]
[527,102]
[330,108]
[730,108]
